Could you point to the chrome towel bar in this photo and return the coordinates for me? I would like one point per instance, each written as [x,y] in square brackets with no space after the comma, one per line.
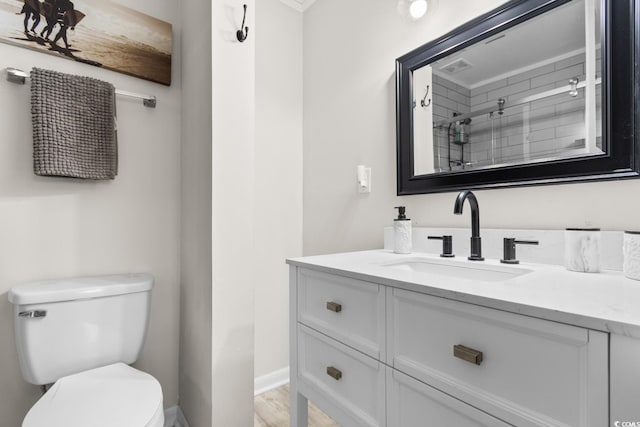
[15,75]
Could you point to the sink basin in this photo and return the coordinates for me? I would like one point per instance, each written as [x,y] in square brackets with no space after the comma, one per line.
[468,270]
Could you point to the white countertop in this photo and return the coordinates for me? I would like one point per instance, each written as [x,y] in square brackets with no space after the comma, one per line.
[605,301]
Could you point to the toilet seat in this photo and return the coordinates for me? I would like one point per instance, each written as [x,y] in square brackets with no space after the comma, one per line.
[113,395]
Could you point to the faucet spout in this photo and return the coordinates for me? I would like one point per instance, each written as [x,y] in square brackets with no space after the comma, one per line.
[476,242]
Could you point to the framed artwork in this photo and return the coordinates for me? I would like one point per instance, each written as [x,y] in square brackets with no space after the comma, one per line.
[97,32]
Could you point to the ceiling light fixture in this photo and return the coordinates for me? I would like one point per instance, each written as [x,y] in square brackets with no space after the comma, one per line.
[412,9]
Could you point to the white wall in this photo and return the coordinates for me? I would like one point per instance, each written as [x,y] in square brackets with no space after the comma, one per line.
[349,119]
[217,310]
[233,192]
[278,177]
[58,227]
[195,275]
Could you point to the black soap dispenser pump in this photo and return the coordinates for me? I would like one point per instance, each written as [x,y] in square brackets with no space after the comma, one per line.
[401,232]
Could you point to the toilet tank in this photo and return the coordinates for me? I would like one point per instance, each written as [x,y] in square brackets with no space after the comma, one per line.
[68,326]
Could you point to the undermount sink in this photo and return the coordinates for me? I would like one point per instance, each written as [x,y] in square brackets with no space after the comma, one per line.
[468,270]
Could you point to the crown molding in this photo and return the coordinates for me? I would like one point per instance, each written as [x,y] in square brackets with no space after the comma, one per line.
[299,5]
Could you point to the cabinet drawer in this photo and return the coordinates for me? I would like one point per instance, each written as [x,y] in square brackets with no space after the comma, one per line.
[411,403]
[351,311]
[351,384]
[531,372]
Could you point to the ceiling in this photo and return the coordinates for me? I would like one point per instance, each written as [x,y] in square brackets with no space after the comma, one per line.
[299,5]
[550,35]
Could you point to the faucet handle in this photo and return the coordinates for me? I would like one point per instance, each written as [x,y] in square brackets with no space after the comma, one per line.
[447,245]
[509,249]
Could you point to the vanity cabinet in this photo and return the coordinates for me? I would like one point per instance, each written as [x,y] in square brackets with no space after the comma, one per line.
[412,403]
[350,311]
[377,355]
[340,353]
[352,381]
[525,371]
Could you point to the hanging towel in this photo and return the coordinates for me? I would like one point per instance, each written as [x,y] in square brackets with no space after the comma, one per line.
[74,126]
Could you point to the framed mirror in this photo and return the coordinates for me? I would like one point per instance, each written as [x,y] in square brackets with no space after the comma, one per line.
[534,92]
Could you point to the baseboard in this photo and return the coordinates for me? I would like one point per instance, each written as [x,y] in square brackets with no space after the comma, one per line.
[181,421]
[270,381]
[173,417]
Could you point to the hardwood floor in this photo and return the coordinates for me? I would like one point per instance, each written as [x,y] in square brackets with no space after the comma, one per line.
[271,409]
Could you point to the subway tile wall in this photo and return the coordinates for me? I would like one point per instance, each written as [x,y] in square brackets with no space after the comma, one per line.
[448,98]
[540,129]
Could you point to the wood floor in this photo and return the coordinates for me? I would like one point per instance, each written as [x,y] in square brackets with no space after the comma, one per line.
[271,409]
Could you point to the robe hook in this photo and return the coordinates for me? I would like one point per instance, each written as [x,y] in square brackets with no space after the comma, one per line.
[424,102]
[242,34]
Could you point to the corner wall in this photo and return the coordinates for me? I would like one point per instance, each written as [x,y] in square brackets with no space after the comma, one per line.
[195,257]
[60,227]
[217,341]
[233,204]
[278,178]
[349,119]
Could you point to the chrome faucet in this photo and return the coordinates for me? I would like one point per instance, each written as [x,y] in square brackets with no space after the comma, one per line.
[476,242]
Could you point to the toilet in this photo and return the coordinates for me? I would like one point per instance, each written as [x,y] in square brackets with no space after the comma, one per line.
[81,334]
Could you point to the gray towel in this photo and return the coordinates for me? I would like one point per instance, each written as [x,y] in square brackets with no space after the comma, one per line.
[74,126]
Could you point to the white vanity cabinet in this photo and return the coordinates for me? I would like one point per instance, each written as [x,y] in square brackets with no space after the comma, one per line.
[370,354]
[350,311]
[523,370]
[411,403]
[338,343]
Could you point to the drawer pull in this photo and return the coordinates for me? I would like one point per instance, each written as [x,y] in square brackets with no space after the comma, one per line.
[334,373]
[334,306]
[467,354]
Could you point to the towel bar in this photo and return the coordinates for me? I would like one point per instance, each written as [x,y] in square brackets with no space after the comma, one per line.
[15,75]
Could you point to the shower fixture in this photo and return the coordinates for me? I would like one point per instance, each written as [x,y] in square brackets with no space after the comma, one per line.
[458,134]
[573,91]
[501,103]
[461,131]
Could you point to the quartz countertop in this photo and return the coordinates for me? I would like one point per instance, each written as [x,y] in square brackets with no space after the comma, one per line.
[605,301]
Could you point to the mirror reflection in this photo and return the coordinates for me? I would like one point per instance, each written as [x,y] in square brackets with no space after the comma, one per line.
[529,94]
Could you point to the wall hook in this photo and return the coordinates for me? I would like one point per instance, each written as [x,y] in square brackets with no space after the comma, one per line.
[242,34]
[423,103]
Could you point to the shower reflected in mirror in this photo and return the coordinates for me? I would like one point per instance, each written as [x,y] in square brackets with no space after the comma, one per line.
[529,94]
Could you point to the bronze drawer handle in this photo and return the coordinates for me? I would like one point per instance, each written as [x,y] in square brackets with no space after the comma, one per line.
[334,373]
[467,354]
[334,306]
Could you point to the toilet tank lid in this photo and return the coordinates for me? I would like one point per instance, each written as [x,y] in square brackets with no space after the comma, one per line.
[76,288]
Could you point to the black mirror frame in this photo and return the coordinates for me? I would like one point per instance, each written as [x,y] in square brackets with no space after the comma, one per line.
[620,101]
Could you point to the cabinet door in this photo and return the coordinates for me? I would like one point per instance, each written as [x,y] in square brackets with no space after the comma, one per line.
[351,311]
[411,403]
[348,385]
[625,380]
[531,372]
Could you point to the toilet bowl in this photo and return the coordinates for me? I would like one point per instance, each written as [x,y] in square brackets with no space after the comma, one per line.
[81,334]
[114,395]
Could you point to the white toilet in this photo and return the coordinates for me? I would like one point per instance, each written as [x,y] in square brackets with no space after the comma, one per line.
[82,333]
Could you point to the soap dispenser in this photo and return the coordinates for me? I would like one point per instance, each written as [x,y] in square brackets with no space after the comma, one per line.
[401,232]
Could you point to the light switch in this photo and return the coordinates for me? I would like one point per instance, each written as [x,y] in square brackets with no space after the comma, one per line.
[364,179]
